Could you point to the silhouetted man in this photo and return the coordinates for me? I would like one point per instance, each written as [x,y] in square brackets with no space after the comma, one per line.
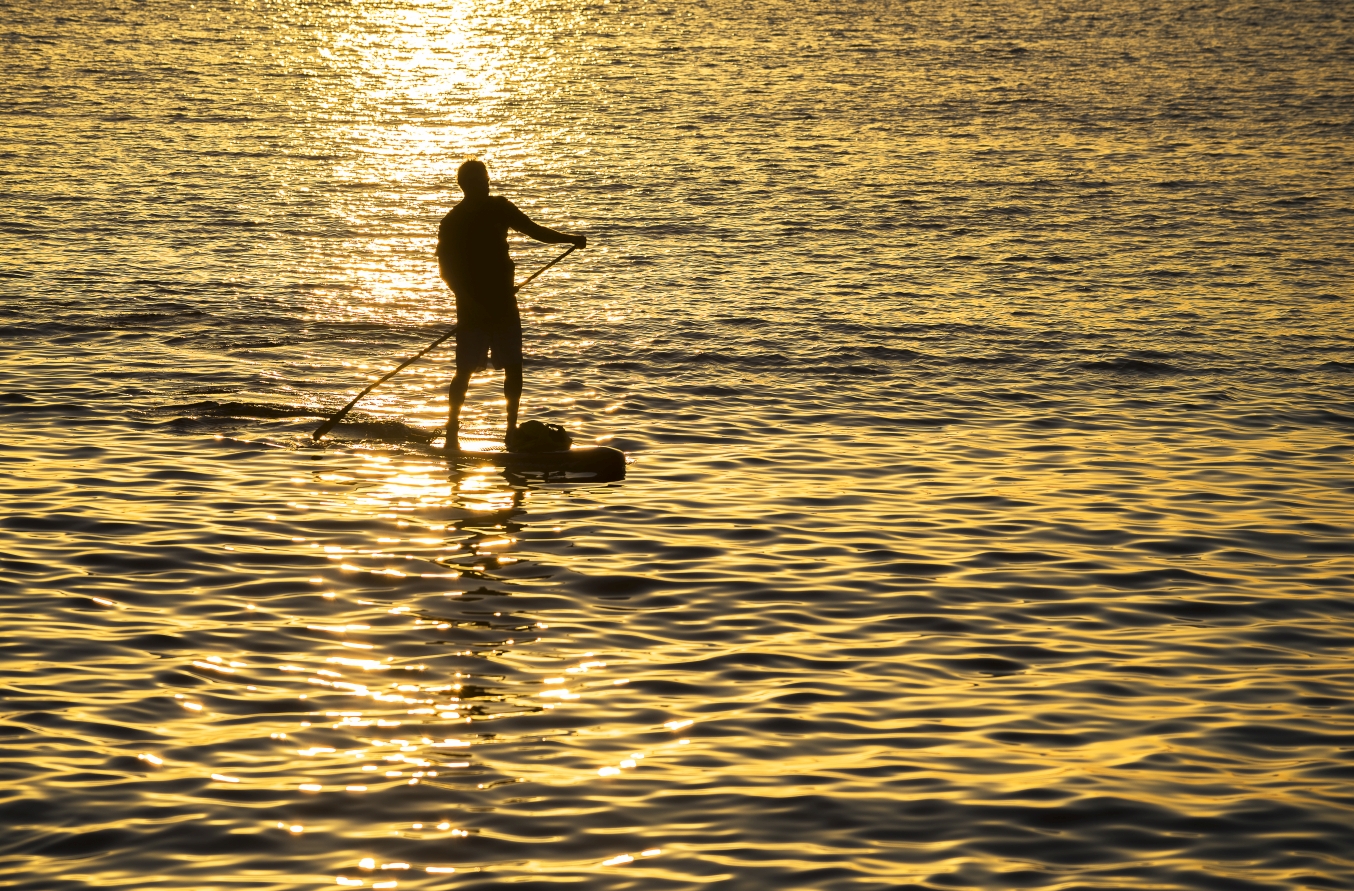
[472,253]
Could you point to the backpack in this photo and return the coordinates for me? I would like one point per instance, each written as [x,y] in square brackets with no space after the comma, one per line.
[535,436]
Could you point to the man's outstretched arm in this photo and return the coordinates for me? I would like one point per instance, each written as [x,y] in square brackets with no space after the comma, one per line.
[524,224]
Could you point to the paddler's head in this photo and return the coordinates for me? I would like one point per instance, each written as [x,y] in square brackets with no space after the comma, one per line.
[473,178]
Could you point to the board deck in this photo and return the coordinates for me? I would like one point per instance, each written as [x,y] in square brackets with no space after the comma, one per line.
[602,463]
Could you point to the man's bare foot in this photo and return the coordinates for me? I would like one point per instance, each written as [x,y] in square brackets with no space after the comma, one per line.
[453,444]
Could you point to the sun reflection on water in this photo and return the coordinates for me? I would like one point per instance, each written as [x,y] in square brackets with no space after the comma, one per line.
[389,723]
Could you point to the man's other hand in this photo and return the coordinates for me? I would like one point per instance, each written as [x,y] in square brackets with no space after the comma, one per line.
[580,241]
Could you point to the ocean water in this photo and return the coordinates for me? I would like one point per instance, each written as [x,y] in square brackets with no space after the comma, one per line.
[985,372]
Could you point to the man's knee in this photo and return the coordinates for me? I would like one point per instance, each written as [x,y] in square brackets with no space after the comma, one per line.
[512,374]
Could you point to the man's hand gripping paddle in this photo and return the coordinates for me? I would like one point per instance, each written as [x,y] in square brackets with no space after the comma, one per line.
[339,415]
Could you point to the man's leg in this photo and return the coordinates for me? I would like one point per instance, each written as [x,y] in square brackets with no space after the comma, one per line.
[512,391]
[472,349]
[508,356]
[455,399]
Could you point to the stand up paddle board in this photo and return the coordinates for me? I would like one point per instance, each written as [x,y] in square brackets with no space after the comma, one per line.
[601,463]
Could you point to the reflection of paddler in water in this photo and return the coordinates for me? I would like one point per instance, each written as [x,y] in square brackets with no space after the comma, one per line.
[472,253]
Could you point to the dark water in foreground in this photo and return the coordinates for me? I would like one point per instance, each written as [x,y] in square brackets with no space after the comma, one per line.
[986,373]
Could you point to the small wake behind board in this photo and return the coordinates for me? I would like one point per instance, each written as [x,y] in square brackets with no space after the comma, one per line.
[598,463]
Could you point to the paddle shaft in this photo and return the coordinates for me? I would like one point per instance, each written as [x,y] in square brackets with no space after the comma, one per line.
[339,415]
[572,248]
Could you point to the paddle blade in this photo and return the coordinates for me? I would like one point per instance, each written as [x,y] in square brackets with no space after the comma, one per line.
[328,425]
[342,412]
[338,416]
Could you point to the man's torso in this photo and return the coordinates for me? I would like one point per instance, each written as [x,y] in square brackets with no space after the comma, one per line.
[472,251]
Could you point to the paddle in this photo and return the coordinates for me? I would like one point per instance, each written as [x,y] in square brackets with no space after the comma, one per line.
[339,415]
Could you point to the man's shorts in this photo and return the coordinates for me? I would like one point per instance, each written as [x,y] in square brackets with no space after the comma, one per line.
[477,339]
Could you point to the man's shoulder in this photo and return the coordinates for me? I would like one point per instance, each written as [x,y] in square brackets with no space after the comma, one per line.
[451,214]
[492,204]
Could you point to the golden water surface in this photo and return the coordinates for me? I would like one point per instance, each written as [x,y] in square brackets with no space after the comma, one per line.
[985,373]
